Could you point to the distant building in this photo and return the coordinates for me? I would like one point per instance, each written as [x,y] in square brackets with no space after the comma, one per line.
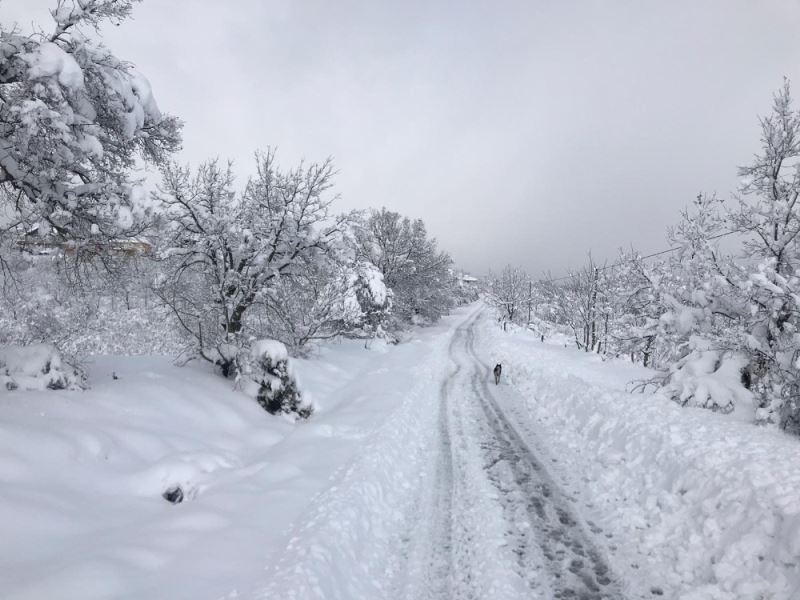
[34,242]
[467,280]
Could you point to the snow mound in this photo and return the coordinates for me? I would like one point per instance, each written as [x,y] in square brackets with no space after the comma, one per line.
[36,367]
[709,379]
[273,349]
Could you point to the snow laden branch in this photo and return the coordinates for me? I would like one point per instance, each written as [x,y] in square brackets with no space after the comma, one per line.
[74,120]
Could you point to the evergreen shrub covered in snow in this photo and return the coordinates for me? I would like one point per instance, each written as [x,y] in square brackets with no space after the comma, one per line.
[278,391]
[36,367]
[707,378]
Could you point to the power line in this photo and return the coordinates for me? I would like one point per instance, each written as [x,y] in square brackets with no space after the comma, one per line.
[654,254]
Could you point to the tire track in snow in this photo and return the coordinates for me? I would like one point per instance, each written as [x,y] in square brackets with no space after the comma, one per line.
[429,552]
[455,548]
[542,526]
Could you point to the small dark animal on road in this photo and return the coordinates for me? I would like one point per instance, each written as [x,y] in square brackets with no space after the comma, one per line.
[497,370]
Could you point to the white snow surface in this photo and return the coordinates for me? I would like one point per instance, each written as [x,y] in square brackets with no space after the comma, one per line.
[34,367]
[82,473]
[49,59]
[695,504]
[385,492]
[273,349]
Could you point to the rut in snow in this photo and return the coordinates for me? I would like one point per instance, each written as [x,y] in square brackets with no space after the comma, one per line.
[429,552]
[541,521]
[482,465]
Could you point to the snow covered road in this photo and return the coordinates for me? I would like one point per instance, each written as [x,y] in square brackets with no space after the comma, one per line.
[555,484]
[471,512]
[496,523]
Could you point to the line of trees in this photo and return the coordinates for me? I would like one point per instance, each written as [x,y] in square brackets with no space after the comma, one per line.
[722,327]
[202,267]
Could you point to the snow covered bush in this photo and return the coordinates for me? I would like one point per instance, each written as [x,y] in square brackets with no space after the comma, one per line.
[365,307]
[272,371]
[83,310]
[36,367]
[708,378]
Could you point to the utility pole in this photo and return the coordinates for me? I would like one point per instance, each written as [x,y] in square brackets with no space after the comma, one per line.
[530,300]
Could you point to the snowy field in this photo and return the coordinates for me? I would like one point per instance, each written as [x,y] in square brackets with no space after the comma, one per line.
[82,473]
[416,478]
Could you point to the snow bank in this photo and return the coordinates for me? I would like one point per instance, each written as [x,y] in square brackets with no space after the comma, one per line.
[711,379]
[695,504]
[348,541]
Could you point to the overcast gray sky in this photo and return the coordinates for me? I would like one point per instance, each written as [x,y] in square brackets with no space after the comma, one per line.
[524,132]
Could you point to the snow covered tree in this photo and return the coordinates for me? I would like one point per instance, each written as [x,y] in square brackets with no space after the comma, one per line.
[769,216]
[413,267]
[582,303]
[509,292]
[637,309]
[704,313]
[365,306]
[325,299]
[226,252]
[74,119]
